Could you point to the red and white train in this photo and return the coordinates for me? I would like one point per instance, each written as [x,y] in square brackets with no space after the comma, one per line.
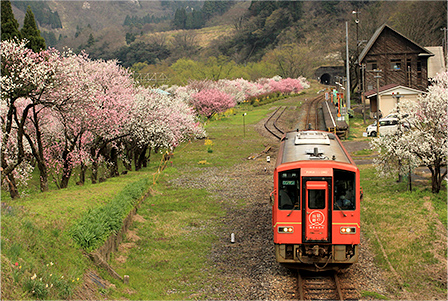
[316,202]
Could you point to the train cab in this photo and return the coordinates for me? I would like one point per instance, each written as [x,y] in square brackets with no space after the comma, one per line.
[315,202]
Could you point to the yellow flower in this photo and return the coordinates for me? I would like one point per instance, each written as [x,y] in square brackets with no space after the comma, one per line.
[208,142]
[34,276]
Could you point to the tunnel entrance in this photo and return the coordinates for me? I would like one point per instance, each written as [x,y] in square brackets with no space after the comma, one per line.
[325,79]
[327,74]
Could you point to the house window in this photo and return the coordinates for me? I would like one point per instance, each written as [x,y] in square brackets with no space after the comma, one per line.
[419,72]
[395,64]
[372,65]
[408,70]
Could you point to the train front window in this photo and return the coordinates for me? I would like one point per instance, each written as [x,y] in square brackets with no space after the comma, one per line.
[344,190]
[316,199]
[288,192]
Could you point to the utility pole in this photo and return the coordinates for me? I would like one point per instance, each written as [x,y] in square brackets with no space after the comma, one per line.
[347,66]
[357,65]
[399,132]
[362,93]
[377,101]
[445,37]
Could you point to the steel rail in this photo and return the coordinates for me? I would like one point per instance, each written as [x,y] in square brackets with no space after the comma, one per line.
[269,119]
[327,285]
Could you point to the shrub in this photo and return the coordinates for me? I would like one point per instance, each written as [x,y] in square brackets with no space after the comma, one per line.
[93,229]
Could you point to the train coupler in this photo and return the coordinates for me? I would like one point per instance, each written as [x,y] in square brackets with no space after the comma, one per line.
[316,251]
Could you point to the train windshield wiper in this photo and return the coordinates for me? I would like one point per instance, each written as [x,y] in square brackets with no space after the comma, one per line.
[296,206]
[340,209]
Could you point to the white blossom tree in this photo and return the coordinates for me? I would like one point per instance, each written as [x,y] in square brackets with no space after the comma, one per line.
[26,77]
[426,142]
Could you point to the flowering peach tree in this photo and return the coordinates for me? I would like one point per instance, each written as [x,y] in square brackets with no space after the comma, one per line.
[64,110]
[25,77]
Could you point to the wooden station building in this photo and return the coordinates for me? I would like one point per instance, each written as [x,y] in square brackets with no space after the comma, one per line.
[402,63]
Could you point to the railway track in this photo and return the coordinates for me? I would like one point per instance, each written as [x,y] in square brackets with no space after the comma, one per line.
[322,286]
[311,112]
[271,124]
[308,117]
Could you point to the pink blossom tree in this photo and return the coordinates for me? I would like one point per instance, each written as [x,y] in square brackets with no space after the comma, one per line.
[109,111]
[211,101]
[286,86]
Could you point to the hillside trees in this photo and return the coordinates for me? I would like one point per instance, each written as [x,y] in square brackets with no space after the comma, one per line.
[32,33]
[191,18]
[185,45]
[10,26]
[426,142]
[292,60]
[44,15]
[151,53]
[260,30]
[424,26]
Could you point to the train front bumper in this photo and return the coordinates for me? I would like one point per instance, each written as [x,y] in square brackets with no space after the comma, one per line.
[316,254]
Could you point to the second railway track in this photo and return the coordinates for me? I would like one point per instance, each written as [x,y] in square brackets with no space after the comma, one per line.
[308,117]
[271,124]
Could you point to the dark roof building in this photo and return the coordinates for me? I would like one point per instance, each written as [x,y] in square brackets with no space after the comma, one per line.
[402,61]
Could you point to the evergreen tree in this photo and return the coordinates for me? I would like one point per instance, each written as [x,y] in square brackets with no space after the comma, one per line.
[91,40]
[180,18]
[32,33]
[10,26]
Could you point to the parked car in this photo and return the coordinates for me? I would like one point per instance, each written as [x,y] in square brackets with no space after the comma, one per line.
[388,125]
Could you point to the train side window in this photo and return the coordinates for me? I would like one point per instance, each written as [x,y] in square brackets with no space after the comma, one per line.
[288,196]
[344,190]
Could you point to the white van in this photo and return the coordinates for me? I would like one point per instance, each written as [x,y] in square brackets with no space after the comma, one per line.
[388,125]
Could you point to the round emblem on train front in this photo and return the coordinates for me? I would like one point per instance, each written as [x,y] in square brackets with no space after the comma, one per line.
[316,218]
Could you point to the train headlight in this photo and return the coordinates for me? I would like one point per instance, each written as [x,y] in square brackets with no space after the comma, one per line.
[288,229]
[347,230]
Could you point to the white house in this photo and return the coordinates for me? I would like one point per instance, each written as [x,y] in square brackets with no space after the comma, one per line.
[388,97]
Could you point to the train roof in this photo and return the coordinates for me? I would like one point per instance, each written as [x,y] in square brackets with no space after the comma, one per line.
[312,145]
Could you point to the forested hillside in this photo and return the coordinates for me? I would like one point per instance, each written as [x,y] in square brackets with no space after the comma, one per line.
[296,36]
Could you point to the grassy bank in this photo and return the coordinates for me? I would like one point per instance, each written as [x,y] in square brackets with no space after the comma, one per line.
[407,231]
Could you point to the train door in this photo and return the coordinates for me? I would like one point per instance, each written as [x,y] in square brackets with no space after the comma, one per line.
[316,214]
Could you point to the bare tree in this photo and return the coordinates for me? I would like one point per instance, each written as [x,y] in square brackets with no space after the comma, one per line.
[185,44]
